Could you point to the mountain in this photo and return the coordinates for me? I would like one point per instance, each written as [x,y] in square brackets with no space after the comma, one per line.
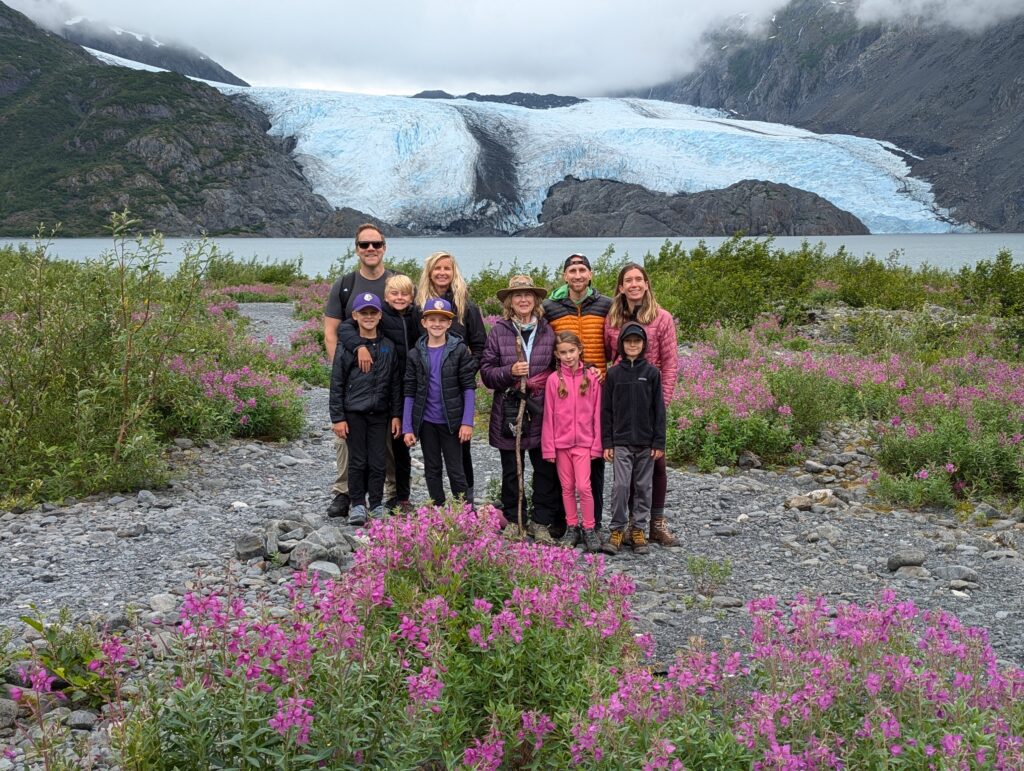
[79,139]
[519,98]
[453,165]
[601,207]
[139,47]
[953,100]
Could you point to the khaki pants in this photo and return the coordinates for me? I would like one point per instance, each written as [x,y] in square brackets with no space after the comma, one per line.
[341,461]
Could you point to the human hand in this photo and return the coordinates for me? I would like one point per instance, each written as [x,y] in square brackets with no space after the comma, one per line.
[520,368]
[396,427]
[657,453]
[609,455]
[364,358]
[465,433]
[341,429]
[550,460]
[410,440]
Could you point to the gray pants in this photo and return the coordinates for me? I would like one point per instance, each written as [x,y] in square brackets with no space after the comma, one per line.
[632,465]
[341,459]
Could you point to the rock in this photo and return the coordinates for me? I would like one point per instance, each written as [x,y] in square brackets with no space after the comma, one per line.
[133,530]
[249,547]
[913,571]
[987,511]
[957,573]
[325,568]
[726,530]
[748,460]
[1001,554]
[145,497]
[905,558]
[961,585]
[813,467]
[305,553]
[81,720]
[8,712]
[183,443]
[799,502]
[723,601]
[163,603]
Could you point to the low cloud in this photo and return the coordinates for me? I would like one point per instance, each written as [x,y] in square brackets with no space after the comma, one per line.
[969,15]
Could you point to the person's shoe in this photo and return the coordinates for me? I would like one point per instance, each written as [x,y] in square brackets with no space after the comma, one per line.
[405,506]
[614,542]
[513,532]
[357,515]
[627,534]
[570,537]
[660,534]
[591,541]
[541,534]
[378,512]
[391,503]
[339,506]
[640,542]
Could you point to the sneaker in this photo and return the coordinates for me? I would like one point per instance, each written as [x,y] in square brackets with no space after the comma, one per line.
[378,512]
[614,542]
[571,538]
[591,541]
[339,506]
[357,515]
[541,534]
[640,542]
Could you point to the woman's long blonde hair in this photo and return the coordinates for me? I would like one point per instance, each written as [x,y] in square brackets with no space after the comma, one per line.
[619,313]
[460,292]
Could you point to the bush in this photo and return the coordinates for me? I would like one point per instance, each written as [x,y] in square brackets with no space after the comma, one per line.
[718,436]
[227,270]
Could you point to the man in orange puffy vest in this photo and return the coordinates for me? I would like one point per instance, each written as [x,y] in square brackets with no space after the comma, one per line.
[578,307]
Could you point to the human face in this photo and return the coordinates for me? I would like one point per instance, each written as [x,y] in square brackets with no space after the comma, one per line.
[577,276]
[367,319]
[632,346]
[436,326]
[441,274]
[524,303]
[634,286]
[370,256]
[568,354]
[397,299]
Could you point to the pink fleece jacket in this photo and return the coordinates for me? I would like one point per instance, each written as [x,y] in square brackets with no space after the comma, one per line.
[575,420]
[662,349]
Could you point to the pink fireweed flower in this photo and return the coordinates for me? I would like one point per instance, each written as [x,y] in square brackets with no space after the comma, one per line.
[922,474]
[950,468]
[295,713]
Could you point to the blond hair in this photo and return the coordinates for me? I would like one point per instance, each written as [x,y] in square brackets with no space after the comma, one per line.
[460,292]
[571,339]
[399,282]
[619,312]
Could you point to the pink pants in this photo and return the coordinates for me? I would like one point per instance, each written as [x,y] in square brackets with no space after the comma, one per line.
[574,473]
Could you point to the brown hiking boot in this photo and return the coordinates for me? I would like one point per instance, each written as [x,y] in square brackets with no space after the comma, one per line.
[541,534]
[640,542]
[614,543]
[660,534]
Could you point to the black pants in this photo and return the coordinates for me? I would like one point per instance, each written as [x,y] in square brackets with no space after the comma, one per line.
[367,456]
[467,465]
[546,506]
[403,467]
[438,443]
[596,485]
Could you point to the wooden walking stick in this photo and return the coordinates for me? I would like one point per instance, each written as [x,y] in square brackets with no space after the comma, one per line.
[520,356]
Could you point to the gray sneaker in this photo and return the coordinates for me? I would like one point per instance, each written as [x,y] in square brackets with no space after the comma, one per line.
[357,515]
[540,534]
[591,541]
[571,538]
[378,512]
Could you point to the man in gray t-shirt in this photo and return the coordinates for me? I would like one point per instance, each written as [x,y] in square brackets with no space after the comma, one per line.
[370,276]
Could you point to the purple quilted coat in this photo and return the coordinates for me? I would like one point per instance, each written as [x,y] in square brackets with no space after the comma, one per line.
[496,372]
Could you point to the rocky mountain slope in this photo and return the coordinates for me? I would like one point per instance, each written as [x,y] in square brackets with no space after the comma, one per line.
[953,99]
[601,207]
[79,139]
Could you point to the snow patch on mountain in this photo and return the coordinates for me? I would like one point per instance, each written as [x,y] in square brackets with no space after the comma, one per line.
[415,161]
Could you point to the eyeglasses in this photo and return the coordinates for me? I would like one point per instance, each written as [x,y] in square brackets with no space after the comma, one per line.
[370,244]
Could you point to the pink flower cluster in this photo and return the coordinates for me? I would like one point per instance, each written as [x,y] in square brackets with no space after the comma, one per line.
[241,389]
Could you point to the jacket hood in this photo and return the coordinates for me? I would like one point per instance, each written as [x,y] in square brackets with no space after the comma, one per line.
[451,341]
[563,292]
[632,328]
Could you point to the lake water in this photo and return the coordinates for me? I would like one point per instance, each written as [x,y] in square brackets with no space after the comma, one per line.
[318,254]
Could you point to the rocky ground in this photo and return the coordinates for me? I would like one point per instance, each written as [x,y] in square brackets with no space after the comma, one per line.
[102,556]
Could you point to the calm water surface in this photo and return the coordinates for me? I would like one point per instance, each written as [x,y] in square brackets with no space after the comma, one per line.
[318,254]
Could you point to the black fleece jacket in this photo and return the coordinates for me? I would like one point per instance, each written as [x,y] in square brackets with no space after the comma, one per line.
[632,407]
[376,391]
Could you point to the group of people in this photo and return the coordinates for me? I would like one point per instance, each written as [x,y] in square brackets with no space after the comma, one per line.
[579,379]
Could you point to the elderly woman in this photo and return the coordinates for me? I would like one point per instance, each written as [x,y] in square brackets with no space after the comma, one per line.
[521,345]
[442,278]
[634,302]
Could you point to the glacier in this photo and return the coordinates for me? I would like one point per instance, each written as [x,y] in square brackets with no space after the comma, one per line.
[427,163]
[419,162]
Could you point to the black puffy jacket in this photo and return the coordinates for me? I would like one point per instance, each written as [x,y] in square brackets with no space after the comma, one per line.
[632,407]
[403,329]
[458,375]
[376,391]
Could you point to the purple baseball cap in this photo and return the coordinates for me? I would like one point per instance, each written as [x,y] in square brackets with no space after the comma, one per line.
[439,307]
[365,300]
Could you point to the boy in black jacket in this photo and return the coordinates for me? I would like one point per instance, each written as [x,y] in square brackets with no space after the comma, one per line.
[633,436]
[364,406]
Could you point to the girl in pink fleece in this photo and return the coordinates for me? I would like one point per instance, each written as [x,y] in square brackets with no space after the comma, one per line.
[571,434]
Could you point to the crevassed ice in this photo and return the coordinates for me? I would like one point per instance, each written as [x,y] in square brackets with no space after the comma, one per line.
[413,160]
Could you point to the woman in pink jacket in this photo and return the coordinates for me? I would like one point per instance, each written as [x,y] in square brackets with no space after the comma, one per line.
[634,302]
[571,435]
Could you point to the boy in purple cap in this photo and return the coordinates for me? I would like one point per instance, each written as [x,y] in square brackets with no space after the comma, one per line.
[365,406]
[440,399]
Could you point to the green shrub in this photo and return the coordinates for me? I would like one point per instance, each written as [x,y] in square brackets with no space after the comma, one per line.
[716,438]
[227,270]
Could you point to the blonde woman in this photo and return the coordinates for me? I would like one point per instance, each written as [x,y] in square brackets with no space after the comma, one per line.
[441,278]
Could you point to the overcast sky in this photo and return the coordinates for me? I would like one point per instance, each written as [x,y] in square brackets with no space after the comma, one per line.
[579,47]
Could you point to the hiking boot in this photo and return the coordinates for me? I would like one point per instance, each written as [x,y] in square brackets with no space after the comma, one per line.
[614,543]
[571,537]
[339,506]
[640,542]
[357,515]
[513,532]
[591,541]
[404,506]
[660,534]
[378,512]
[541,534]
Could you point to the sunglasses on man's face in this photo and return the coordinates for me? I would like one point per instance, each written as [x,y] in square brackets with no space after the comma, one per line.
[370,244]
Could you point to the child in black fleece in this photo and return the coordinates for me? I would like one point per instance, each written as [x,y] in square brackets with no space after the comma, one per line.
[633,436]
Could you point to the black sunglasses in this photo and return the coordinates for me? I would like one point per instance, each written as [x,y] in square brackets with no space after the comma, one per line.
[368,244]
